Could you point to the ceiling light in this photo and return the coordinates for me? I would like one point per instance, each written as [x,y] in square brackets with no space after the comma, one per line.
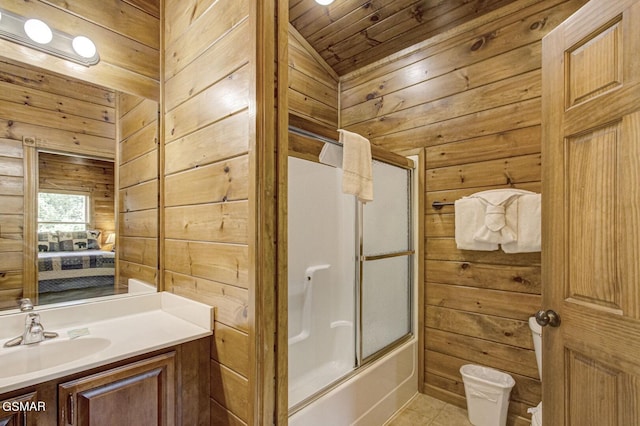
[36,34]
[324,2]
[38,31]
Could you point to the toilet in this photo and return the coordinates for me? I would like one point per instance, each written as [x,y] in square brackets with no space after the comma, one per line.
[536,334]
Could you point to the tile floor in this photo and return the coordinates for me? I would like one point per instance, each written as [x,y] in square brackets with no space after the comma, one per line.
[424,410]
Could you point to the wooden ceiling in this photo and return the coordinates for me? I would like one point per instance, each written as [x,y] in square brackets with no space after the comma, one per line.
[349,34]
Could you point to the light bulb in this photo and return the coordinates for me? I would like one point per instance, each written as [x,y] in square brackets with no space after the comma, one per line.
[84,47]
[324,2]
[38,31]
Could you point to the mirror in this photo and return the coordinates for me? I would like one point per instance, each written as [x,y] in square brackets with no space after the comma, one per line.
[78,187]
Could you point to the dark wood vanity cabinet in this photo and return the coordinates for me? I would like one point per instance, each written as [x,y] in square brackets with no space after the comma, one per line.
[140,393]
[166,387]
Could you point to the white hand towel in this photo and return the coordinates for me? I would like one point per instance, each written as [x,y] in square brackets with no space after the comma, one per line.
[529,225]
[331,155]
[469,217]
[357,178]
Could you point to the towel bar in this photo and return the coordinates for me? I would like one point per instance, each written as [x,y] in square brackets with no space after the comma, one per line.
[437,205]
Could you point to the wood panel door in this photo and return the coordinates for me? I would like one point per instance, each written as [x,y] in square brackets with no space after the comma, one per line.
[591,210]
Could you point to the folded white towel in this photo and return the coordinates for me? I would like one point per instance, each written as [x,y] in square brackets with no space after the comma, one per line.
[357,178]
[529,225]
[469,218]
[331,155]
[487,219]
[501,215]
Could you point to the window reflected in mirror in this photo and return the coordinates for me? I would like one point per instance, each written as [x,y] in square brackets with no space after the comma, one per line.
[63,211]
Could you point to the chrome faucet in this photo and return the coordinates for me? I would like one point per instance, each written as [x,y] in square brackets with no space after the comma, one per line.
[33,329]
[26,305]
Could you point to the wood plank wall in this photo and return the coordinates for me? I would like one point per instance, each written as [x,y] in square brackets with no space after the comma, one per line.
[70,173]
[313,85]
[207,133]
[138,186]
[471,100]
[62,115]
[126,33]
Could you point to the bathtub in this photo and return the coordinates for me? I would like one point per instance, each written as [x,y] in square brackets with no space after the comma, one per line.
[369,397]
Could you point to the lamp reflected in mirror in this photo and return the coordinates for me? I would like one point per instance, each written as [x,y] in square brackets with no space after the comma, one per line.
[110,241]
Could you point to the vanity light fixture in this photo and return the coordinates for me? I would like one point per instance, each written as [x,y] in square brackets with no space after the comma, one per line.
[36,34]
[324,2]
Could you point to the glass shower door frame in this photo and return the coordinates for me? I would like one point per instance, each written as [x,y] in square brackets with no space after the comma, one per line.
[361,258]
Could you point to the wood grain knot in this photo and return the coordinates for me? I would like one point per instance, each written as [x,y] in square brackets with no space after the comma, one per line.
[417,13]
[538,25]
[477,45]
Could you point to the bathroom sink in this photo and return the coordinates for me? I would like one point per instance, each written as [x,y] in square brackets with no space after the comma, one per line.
[31,358]
[98,333]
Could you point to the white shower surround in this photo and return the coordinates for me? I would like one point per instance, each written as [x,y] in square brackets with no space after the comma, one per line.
[321,230]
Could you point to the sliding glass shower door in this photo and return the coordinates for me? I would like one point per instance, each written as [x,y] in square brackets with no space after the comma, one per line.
[350,273]
[386,261]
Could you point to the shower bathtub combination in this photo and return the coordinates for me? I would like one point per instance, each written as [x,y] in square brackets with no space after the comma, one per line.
[352,345]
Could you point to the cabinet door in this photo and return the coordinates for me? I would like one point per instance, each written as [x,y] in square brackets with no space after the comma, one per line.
[141,393]
[16,411]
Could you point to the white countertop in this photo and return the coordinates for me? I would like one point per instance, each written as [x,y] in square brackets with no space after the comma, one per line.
[134,325]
